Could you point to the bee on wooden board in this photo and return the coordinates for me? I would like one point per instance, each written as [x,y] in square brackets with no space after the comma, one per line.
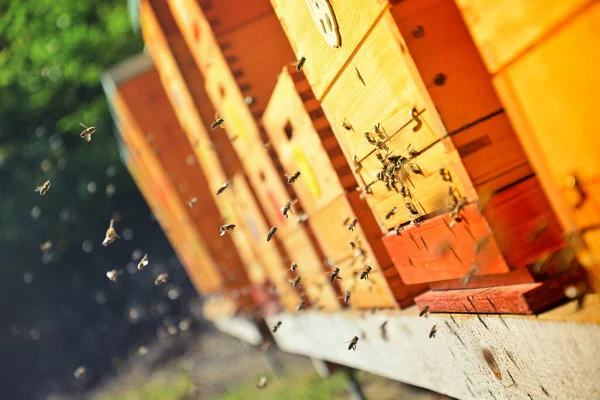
[391,213]
[271,233]
[300,64]
[218,123]
[346,125]
[193,202]
[161,278]
[301,306]
[291,179]
[143,263]
[366,272]
[276,327]
[424,312]
[432,332]
[288,208]
[226,228]
[262,382]
[353,343]
[416,169]
[335,275]
[44,188]
[222,188]
[296,281]
[111,234]
[87,132]
[293,267]
[352,224]
[411,209]
[113,275]
[46,246]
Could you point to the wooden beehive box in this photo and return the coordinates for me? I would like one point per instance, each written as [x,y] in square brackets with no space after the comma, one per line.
[538,56]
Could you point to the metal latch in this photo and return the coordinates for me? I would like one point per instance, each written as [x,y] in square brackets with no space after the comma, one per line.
[324,18]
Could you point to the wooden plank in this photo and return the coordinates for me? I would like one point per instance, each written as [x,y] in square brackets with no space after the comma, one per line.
[523,223]
[299,146]
[310,268]
[227,15]
[534,354]
[503,30]
[514,277]
[323,62]
[439,43]
[434,250]
[527,298]
[537,106]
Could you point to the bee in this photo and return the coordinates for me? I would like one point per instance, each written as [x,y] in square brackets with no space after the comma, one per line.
[262,382]
[87,132]
[218,123]
[491,362]
[472,271]
[424,312]
[412,152]
[276,327]
[296,281]
[293,178]
[446,177]
[416,169]
[222,188]
[411,209]
[455,212]
[366,272]
[226,228]
[347,296]
[352,224]
[335,275]
[271,233]
[300,306]
[113,275]
[79,372]
[44,188]
[404,191]
[193,202]
[432,332]
[267,346]
[383,329]
[481,243]
[111,234]
[539,229]
[293,267]
[391,213]
[161,278]
[346,125]
[288,208]
[143,263]
[353,343]
[267,145]
[46,246]
[300,64]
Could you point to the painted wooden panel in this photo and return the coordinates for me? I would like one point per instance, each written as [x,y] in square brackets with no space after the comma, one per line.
[227,15]
[447,60]
[434,250]
[505,29]
[324,62]
[514,277]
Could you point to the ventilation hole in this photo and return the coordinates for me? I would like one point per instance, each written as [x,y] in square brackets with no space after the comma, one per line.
[329,24]
[289,131]
[261,174]
[323,26]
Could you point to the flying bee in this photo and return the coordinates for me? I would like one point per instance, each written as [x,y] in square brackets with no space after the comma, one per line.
[481,243]
[293,178]
[424,312]
[46,246]
[222,188]
[491,362]
[143,263]
[300,64]
[87,132]
[352,224]
[383,329]
[366,272]
[218,123]
[432,332]
[161,278]
[113,275]
[411,209]
[79,372]
[391,213]
[296,281]
[44,188]
[193,202]
[288,208]
[472,271]
[347,296]
[293,267]
[276,327]
[353,343]
[262,382]
[335,275]
[300,306]
[111,234]
[271,233]
[226,228]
